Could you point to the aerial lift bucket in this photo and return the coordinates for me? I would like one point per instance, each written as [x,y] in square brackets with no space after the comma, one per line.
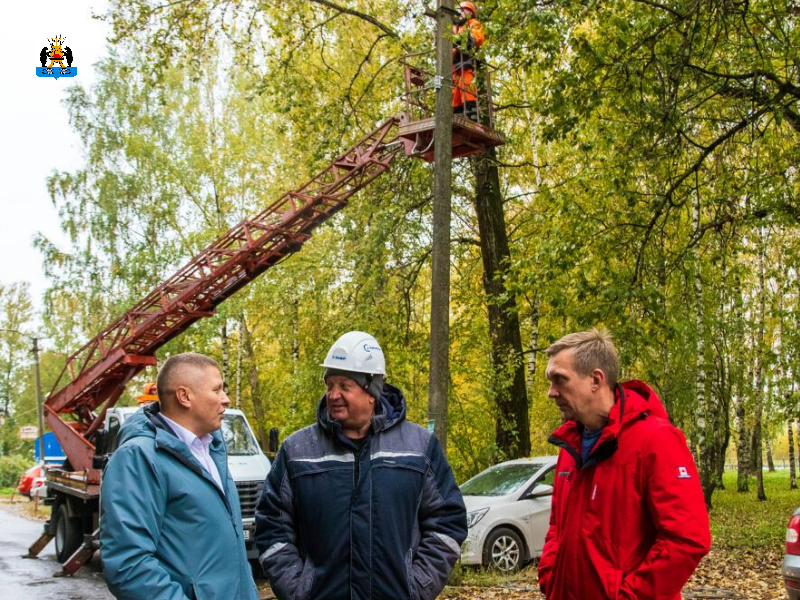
[417,122]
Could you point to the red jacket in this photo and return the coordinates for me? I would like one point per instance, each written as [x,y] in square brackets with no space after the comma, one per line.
[631,523]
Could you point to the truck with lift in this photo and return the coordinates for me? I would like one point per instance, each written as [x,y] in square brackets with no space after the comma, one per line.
[81,406]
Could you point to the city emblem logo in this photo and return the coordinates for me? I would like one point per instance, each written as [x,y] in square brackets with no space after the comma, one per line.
[53,58]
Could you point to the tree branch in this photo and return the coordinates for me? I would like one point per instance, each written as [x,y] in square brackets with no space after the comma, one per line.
[369,19]
[663,7]
[783,86]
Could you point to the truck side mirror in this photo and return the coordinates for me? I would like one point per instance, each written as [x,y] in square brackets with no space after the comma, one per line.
[273,440]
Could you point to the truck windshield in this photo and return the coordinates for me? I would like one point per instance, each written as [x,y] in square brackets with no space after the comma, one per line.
[238,437]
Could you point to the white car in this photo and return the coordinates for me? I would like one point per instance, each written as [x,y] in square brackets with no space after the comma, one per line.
[508,513]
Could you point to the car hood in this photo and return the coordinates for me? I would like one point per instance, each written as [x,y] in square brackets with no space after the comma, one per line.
[477,502]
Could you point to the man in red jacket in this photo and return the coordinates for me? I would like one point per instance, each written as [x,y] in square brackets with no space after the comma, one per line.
[628,519]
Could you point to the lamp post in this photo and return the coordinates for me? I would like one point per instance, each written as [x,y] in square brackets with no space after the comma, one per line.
[35,351]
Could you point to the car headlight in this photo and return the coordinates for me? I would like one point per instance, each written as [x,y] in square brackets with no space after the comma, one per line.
[475,516]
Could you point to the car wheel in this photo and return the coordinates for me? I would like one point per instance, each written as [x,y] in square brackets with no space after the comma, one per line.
[503,551]
[69,534]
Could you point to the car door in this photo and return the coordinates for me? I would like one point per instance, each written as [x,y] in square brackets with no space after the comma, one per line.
[537,519]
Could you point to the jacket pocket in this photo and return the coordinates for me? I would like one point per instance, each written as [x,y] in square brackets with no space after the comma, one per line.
[305,581]
[420,584]
[410,581]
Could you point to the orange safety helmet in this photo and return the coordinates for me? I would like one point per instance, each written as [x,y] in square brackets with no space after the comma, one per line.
[471,7]
[150,394]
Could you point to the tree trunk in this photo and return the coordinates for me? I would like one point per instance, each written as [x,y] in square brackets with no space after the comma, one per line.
[743,443]
[225,354]
[753,465]
[295,333]
[239,342]
[783,390]
[663,385]
[792,470]
[510,395]
[770,461]
[797,437]
[255,387]
[722,429]
[534,344]
[757,426]
[721,457]
[705,421]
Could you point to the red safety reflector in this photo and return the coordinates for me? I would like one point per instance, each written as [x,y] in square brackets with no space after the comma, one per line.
[792,584]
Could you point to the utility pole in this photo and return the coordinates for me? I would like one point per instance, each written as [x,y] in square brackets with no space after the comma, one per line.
[35,352]
[440,247]
[38,396]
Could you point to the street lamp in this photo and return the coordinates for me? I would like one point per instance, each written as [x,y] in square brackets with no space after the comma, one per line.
[35,351]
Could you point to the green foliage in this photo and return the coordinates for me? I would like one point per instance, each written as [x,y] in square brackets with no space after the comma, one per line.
[15,312]
[11,467]
[620,117]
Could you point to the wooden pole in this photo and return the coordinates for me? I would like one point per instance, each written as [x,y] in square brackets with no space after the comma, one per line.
[440,248]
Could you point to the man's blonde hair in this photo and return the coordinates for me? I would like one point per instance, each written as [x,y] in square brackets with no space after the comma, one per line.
[593,349]
[170,373]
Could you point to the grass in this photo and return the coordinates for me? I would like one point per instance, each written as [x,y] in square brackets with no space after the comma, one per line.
[738,521]
[470,576]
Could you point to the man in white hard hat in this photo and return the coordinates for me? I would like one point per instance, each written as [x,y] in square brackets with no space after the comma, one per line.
[362,504]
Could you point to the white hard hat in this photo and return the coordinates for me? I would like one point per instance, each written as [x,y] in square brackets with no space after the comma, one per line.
[357,352]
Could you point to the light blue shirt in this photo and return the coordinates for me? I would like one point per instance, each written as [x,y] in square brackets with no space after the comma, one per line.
[199,447]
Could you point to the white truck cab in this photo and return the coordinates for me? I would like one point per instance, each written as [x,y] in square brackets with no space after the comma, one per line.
[248,465]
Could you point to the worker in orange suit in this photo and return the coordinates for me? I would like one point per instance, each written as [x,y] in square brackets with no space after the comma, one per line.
[467,37]
[150,394]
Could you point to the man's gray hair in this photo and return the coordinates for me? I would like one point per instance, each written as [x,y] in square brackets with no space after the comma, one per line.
[169,371]
[593,349]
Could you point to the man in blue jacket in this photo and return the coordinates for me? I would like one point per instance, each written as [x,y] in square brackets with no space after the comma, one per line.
[170,525]
[362,505]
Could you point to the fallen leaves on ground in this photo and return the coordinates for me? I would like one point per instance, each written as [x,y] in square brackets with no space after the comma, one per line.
[750,574]
[753,573]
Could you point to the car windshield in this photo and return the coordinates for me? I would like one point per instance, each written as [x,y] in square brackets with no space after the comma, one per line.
[500,480]
[237,436]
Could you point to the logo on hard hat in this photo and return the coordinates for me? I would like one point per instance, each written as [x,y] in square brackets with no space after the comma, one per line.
[53,57]
[368,348]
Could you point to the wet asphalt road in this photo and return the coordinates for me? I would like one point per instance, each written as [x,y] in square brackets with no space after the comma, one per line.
[27,579]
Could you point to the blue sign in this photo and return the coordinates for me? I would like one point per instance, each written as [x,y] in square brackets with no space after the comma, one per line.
[53,453]
[56,72]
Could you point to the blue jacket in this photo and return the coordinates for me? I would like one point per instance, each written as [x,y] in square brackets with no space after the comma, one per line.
[385,523]
[166,530]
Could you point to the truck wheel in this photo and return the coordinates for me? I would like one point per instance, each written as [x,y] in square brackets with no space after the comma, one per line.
[503,551]
[69,534]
